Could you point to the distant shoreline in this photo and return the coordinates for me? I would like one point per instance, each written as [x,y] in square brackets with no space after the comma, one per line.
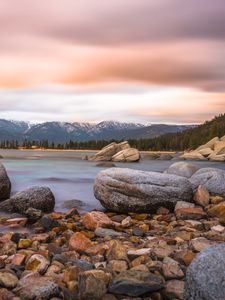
[81,150]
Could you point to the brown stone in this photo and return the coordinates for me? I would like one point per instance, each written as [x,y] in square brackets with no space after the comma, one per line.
[97,249]
[92,284]
[37,263]
[140,260]
[126,222]
[24,243]
[79,242]
[218,211]
[7,247]
[195,213]
[8,279]
[162,211]
[118,265]
[95,219]
[116,251]
[186,256]
[201,243]
[201,196]
[18,259]
[140,217]
[6,295]
[71,274]
[216,199]
[171,269]
[174,289]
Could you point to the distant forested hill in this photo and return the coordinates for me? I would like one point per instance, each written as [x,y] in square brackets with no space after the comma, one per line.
[187,139]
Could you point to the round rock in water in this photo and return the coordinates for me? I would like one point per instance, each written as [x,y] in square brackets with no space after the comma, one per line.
[40,198]
[206,277]
[211,178]
[182,169]
[5,184]
[127,190]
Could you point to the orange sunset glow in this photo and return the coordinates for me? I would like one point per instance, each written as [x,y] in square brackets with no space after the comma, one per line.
[145,60]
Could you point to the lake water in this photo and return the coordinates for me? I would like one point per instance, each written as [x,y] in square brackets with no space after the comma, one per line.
[67,174]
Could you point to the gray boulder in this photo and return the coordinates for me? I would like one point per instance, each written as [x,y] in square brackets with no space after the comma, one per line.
[40,198]
[182,169]
[127,190]
[205,276]
[5,184]
[213,179]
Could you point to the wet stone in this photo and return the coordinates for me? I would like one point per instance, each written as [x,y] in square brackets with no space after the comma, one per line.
[135,283]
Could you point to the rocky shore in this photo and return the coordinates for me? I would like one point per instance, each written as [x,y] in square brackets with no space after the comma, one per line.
[161,237]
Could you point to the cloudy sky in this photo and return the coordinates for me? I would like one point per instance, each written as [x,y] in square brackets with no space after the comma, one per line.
[132,60]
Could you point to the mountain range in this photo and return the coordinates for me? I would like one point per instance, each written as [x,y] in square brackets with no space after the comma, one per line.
[62,132]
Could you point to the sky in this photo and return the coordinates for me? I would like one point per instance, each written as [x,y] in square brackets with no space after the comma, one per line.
[140,61]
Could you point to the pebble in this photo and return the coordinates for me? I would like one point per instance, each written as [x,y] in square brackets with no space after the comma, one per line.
[95,219]
[79,242]
[107,256]
[37,263]
[201,196]
[103,232]
[8,280]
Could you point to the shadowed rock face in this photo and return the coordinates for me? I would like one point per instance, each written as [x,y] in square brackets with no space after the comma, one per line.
[5,184]
[40,198]
[211,178]
[205,276]
[127,190]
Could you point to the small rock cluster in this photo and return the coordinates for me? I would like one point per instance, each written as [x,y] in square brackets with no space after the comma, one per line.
[109,256]
[214,150]
[171,249]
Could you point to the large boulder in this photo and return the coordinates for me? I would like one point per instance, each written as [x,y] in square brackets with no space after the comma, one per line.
[205,276]
[210,144]
[211,178]
[216,157]
[127,190]
[5,184]
[219,147]
[40,198]
[193,155]
[108,151]
[127,155]
[182,169]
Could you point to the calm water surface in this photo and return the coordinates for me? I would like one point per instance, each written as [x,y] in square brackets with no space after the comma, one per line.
[67,174]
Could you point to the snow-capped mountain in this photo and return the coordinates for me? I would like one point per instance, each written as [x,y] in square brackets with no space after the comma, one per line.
[65,131]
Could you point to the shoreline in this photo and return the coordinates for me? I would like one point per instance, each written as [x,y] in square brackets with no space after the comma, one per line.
[88,150]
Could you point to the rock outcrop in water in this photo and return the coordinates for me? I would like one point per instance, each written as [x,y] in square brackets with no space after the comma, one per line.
[127,190]
[5,184]
[214,150]
[40,198]
[121,152]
